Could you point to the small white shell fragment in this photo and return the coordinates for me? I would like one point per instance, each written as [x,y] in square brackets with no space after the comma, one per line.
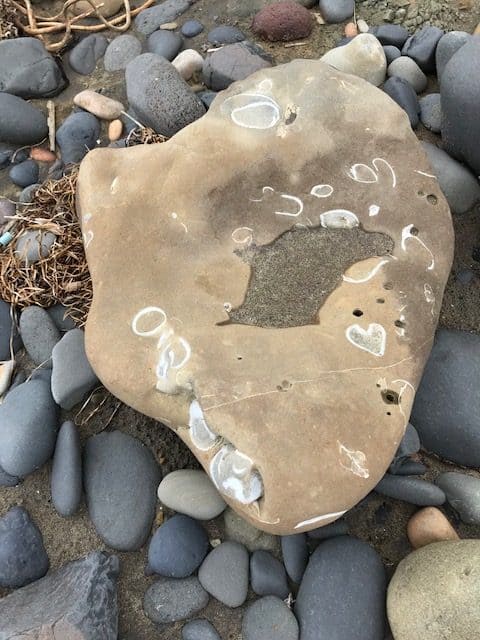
[233,474]
[200,433]
[6,370]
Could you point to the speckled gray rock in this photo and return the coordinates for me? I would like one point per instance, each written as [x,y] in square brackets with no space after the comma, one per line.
[121,51]
[177,547]
[459,185]
[447,46]
[62,321]
[150,19]
[422,46]
[77,135]
[28,426]
[120,480]
[411,490]
[190,491]
[334,11]
[199,630]
[267,575]
[20,122]
[239,530]
[6,331]
[431,112]
[60,604]
[295,555]
[66,476]
[169,599]
[231,63]
[404,95]
[28,70]
[84,56]
[224,573]
[191,28]
[449,426]
[391,53]
[332,530]
[39,334]
[6,480]
[25,173]
[342,594]
[72,375]
[463,494]
[269,619]
[225,34]
[407,69]
[164,43]
[390,34]
[160,96]
[23,558]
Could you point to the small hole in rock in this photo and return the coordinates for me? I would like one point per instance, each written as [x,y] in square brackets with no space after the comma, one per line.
[357,312]
[399,323]
[390,397]
[414,231]
[420,193]
[378,385]
[432,199]
[388,285]
[380,300]
[239,358]
[389,413]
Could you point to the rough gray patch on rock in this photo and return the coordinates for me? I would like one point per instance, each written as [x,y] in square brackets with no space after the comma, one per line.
[20,122]
[447,46]
[431,112]
[239,530]
[150,19]
[231,63]
[39,334]
[224,573]
[269,619]
[60,604]
[121,51]
[463,494]
[190,491]
[171,599]
[66,476]
[83,57]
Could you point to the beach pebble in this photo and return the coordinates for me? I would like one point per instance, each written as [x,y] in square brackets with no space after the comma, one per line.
[224,573]
[458,184]
[84,56]
[447,46]
[351,30]
[120,51]
[269,619]
[239,530]
[171,599]
[148,20]
[101,106]
[391,34]
[77,135]
[6,480]
[334,11]
[295,555]
[342,594]
[25,173]
[363,57]
[177,547]
[409,445]
[72,374]
[20,122]
[187,63]
[160,96]
[40,154]
[332,530]
[225,34]
[431,112]
[23,558]
[409,467]
[429,525]
[407,69]
[28,426]
[115,130]
[7,208]
[120,477]
[39,334]
[32,246]
[231,63]
[191,28]
[26,196]
[283,21]
[165,44]
[66,476]
[58,313]
[410,490]
[199,630]
[267,575]
[191,492]
[463,494]
[422,46]
[207,97]
[7,331]
[449,427]
[404,95]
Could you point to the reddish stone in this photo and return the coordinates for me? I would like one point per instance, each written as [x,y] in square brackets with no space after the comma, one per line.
[283,21]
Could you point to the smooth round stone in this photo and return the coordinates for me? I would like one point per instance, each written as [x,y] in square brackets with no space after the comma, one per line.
[66,476]
[332,530]
[164,43]
[390,34]
[422,46]
[435,593]
[25,173]
[410,490]
[120,479]
[231,63]
[32,246]
[409,467]
[6,480]
[199,630]
[239,530]
[447,46]
[20,122]
[429,525]
[404,95]
[160,15]
[187,63]
[27,196]
[191,28]
[115,130]
[449,426]
[84,56]
[76,135]
[363,56]
[6,330]
[334,11]
[62,320]
[342,594]
[409,445]
[407,69]
[463,495]
[283,21]
[269,619]
[23,558]
[207,97]
[121,51]
[224,573]
[224,34]
[101,106]
[295,555]
[431,112]
[169,599]
[267,575]
[391,53]
[72,374]
[177,547]
[39,334]
[191,492]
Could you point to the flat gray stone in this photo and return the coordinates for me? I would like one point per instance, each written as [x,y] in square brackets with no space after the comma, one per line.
[267,575]
[84,56]
[407,69]
[231,63]
[431,112]
[224,573]
[20,122]
[150,19]
[295,555]
[66,476]
[39,334]
[121,51]
[269,618]
[190,491]
[165,43]
[171,599]
[463,494]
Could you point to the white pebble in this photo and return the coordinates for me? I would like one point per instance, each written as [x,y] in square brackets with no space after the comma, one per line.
[187,63]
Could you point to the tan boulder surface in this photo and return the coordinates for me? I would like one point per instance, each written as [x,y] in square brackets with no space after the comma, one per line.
[267,283]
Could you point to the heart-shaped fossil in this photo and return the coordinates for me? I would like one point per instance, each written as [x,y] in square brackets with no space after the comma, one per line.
[373,339]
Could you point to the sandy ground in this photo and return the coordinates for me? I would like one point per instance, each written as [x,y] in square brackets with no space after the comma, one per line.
[379,521]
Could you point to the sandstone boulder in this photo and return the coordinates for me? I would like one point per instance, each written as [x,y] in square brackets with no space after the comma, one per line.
[276,301]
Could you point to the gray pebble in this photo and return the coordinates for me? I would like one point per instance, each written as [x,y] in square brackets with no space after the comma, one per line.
[72,374]
[334,11]
[6,480]
[121,51]
[32,246]
[66,476]
[410,468]
[447,46]
[7,331]
[422,46]
[28,193]
[239,530]
[58,313]
[25,173]
[164,43]
[407,69]
[191,28]
[390,34]
[231,63]
[224,573]
[84,56]
[199,630]
[409,445]
[269,619]
[411,490]
[404,95]
[295,555]
[150,19]
[39,334]
[224,34]
[431,112]
[463,495]
[20,122]
[170,599]
[77,135]
[207,97]
[267,575]
[391,53]
[191,492]
[332,530]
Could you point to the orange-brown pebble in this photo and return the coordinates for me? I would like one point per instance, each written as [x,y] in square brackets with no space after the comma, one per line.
[351,30]
[115,129]
[476,31]
[42,155]
[429,525]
